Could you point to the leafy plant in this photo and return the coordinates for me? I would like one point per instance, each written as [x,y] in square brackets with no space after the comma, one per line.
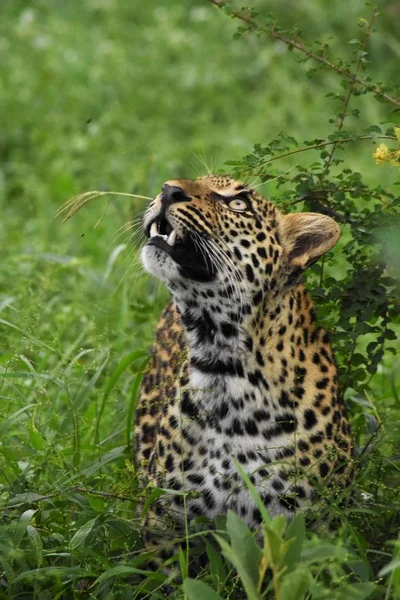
[287,566]
[360,306]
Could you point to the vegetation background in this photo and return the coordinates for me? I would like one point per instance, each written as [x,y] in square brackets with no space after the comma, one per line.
[111,95]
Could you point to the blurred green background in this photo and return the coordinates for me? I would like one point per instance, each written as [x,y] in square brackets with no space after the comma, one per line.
[116,95]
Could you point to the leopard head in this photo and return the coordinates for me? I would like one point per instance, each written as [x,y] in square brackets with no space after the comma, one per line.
[218,233]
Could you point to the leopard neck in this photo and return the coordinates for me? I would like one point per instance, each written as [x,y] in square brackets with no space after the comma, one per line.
[223,341]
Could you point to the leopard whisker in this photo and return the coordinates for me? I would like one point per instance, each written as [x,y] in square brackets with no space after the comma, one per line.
[221,267]
[231,275]
[235,273]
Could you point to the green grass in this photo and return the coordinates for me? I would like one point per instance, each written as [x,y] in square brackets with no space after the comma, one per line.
[114,95]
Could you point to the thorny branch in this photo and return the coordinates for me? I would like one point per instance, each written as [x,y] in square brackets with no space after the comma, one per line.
[323,144]
[351,88]
[301,48]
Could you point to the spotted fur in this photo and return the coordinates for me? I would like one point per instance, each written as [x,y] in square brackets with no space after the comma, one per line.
[241,372]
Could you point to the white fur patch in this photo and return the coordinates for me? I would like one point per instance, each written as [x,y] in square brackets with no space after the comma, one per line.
[158,263]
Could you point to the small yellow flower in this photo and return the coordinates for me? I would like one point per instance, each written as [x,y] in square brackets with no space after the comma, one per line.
[395,158]
[382,154]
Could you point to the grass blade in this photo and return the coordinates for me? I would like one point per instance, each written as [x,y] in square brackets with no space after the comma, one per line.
[73,205]
[115,375]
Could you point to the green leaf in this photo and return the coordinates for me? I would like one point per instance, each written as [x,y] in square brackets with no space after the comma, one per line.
[81,534]
[278,525]
[390,334]
[22,525]
[244,544]
[295,584]
[14,417]
[157,493]
[217,567]
[361,568]
[357,359]
[58,573]
[390,567]
[8,571]
[36,439]
[198,590]
[124,570]
[295,532]
[272,547]
[36,542]
[25,498]
[98,464]
[183,563]
[358,591]
[236,560]
[154,495]
[321,553]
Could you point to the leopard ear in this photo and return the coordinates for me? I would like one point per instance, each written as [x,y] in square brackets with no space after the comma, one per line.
[307,236]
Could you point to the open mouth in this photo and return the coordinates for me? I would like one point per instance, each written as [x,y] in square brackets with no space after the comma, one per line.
[162,229]
[193,263]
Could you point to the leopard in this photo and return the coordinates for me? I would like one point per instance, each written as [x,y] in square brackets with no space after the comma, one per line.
[242,379]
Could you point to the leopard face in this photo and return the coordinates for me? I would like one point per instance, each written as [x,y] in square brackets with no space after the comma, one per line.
[220,233]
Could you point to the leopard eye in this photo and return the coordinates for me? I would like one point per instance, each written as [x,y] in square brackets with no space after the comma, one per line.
[238,204]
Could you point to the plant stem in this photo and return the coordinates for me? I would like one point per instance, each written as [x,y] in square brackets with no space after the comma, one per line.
[322,145]
[321,279]
[350,92]
[301,48]
[65,491]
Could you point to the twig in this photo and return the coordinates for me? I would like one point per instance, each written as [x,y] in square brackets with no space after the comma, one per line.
[33,500]
[102,494]
[321,279]
[74,488]
[298,46]
[322,145]
[350,92]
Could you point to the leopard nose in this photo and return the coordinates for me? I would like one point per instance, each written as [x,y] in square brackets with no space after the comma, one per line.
[172,194]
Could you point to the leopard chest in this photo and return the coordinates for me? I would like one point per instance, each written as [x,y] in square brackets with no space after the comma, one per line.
[218,425]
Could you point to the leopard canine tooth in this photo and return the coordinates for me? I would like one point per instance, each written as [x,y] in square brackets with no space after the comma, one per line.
[172,238]
[153,229]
